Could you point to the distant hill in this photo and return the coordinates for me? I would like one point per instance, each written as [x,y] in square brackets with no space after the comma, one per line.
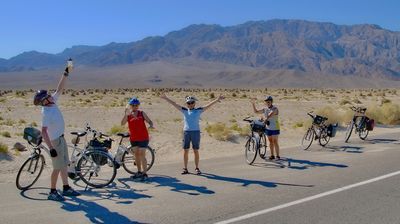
[290,46]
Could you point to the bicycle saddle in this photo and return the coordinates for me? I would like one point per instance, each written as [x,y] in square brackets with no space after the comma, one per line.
[79,134]
[123,134]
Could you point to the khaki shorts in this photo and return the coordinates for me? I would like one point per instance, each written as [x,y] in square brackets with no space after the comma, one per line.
[61,160]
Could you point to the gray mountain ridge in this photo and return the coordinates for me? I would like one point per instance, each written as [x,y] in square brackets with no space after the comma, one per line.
[295,45]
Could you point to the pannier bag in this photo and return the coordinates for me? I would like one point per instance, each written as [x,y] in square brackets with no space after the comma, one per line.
[95,144]
[33,135]
[332,130]
[258,126]
[370,124]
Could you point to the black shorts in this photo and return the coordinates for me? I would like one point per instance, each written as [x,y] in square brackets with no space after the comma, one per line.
[140,144]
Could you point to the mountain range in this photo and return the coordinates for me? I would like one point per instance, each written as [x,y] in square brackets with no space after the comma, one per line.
[289,46]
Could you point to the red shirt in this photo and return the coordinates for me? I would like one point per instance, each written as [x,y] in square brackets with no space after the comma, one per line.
[137,127]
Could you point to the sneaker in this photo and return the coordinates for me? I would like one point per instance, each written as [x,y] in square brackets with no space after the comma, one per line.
[55,196]
[271,157]
[137,175]
[71,192]
[144,177]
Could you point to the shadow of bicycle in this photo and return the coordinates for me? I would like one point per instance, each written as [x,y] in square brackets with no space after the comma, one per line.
[299,164]
[346,148]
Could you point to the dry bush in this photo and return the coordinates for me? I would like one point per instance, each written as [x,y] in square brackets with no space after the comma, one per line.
[219,131]
[335,115]
[5,134]
[387,113]
[117,128]
[3,148]
[344,102]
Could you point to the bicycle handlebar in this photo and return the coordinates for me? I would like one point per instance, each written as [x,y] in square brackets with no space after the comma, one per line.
[248,120]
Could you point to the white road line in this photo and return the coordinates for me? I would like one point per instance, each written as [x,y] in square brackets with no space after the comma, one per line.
[254,214]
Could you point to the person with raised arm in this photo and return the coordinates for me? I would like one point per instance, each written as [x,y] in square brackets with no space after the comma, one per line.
[191,128]
[53,127]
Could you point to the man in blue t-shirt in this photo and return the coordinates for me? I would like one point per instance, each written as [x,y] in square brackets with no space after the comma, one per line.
[191,128]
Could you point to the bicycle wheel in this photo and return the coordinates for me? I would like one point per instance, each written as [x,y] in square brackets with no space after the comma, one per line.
[349,129]
[30,172]
[263,147]
[96,168]
[251,150]
[129,164]
[324,138]
[363,133]
[307,139]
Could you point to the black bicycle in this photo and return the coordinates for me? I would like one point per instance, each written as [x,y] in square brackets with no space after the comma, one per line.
[256,143]
[360,123]
[318,130]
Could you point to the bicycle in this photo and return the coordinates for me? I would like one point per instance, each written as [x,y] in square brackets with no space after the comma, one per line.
[256,142]
[97,162]
[318,130]
[126,157]
[361,123]
[90,162]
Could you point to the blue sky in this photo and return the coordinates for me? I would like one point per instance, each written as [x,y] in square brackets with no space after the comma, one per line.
[51,25]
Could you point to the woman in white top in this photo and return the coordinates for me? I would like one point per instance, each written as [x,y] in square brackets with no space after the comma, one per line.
[271,116]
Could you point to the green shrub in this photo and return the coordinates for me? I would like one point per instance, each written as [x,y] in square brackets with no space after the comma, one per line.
[117,128]
[388,113]
[219,131]
[6,134]
[3,148]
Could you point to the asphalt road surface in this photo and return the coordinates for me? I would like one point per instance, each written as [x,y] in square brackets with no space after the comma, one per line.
[356,182]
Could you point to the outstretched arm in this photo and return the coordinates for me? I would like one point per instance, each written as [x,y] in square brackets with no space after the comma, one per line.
[63,80]
[166,98]
[253,103]
[206,107]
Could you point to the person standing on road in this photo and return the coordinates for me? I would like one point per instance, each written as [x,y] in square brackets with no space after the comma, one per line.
[139,135]
[53,134]
[191,129]
[271,116]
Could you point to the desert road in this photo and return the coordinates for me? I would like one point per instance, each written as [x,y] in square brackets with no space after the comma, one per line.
[356,182]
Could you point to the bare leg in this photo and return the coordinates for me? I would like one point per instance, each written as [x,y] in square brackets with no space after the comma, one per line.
[196,158]
[138,159]
[276,144]
[53,180]
[271,145]
[144,161]
[185,158]
[64,176]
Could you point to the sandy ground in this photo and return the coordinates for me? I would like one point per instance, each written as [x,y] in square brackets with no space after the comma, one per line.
[103,111]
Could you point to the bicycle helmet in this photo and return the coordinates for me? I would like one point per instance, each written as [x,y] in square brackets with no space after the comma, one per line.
[40,96]
[134,101]
[190,99]
[269,98]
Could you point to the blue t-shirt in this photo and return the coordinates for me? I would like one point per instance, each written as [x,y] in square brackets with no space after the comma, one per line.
[192,118]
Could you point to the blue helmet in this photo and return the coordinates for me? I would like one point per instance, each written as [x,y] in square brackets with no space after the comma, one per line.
[40,95]
[134,101]
[269,98]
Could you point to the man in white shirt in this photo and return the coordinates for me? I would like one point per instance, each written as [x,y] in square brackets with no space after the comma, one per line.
[53,134]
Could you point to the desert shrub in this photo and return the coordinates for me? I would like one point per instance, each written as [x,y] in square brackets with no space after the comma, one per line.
[9,122]
[384,100]
[6,134]
[1,118]
[212,95]
[22,121]
[344,102]
[299,124]
[117,128]
[357,101]
[33,124]
[3,148]
[387,113]
[335,115]
[219,131]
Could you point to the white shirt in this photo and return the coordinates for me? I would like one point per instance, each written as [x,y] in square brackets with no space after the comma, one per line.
[53,119]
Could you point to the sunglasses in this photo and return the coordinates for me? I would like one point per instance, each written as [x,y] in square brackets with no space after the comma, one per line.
[190,103]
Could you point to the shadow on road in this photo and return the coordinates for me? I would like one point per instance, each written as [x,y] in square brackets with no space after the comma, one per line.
[346,148]
[94,212]
[381,140]
[175,185]
[246,182]
[305,164]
